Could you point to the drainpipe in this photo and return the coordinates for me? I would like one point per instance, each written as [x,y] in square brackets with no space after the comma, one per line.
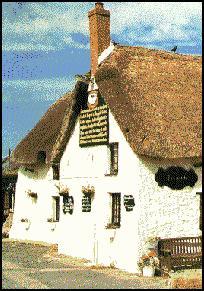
[95,260]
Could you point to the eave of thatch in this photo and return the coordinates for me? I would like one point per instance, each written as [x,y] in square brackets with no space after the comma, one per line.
[155,97]
[8,168]
[52,131]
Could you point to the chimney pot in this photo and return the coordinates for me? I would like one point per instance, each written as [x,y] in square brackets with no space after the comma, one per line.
[99,5]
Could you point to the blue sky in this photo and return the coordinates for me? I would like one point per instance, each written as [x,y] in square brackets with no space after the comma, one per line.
[45,44]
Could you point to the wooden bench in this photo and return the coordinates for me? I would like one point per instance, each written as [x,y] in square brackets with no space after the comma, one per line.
[180,253]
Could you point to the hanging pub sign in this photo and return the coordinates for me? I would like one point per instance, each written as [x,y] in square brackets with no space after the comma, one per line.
[86,204]
[176,178]
[68,204]
[94,127]
[129,202]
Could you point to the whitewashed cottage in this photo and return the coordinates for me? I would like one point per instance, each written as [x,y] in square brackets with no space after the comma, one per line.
[118,160]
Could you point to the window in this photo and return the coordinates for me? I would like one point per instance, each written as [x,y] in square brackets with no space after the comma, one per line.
[200,218]
[200,224]
[200,206]
[41,156]
[55,169]
[113,158]
[56,208]
[116,202]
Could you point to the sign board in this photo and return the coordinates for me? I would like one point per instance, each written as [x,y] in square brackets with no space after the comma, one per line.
[176,178]
[68,204]
[129,202]
[94,127]
[86,204]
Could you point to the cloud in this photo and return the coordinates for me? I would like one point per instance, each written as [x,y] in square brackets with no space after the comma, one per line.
[16,46]
[44,27]
[69,40]
[38,89]
[48,26]
[149,22]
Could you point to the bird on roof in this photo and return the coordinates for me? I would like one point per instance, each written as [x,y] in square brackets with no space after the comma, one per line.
[174,49]
[114,42]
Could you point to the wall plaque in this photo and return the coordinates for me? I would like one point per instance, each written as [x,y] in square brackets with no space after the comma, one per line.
[68,204]
[176,178]
[94,126]
[86,204]
[129,202]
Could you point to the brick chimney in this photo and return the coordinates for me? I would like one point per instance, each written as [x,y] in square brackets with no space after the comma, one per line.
[99,27]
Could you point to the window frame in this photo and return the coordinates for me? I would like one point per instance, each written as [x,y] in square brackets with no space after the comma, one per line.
[200,209]
[56,208]
[41,157]
[200,218]
[115,210]
[200,222]
[56,171]
[113,149]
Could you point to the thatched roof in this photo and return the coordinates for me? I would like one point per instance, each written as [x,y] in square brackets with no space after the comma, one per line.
[8,168]
[155,96]
[50,132]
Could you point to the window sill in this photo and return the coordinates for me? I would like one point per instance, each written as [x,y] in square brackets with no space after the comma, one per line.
[112,226]
[52,221]
[111,174]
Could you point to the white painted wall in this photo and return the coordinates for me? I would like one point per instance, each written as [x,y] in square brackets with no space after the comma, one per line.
[157,212]
[82,166]
[164,212]
[37,213]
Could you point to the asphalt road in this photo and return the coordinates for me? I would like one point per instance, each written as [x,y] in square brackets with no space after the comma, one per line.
[36,266]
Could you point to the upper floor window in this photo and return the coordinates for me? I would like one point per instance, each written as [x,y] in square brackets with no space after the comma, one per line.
[113,158]
[55,169]
[41,157]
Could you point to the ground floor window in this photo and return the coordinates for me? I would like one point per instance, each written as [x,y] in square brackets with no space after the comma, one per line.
[200,212]
[116,208]
[56,172]
[56,208]
[200,222]
[200,206]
